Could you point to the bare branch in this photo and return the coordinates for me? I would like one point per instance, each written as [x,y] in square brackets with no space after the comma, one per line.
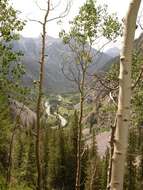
[79,73]
[99,50]
[47,12]
[66,75]
[57,5]
[104,85]
[41,9]
[113,100]
[34,20]
[76,80]
[93,176]
[63,14]
[84,151]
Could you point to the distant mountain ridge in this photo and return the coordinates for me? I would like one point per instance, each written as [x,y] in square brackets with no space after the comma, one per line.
[138,46]
[57,54]
[113,52]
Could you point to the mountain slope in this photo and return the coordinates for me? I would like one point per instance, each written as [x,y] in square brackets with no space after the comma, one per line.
[138,47]
[58,55]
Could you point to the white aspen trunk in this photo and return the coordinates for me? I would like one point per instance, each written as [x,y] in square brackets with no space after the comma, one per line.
[123,113]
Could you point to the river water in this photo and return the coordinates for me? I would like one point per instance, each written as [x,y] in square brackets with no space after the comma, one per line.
[62,119]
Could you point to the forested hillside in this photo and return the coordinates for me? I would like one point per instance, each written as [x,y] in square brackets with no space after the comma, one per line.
[71,116]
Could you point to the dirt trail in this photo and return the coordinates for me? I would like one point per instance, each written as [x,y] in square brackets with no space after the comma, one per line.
[102,140]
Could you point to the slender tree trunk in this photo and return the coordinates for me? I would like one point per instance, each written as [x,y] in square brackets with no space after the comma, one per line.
[40,93]
[94,161]
[78,169]
[111,151]
[93,177]
[38,135]
[123,113]
[8,178]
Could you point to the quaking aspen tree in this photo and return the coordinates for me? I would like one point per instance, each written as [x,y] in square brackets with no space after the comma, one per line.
[123,112]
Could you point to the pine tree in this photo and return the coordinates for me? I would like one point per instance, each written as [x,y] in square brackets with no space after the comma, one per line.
[5,131]
[20,155]
[131,173]
[93,169]
[71,157]
[140,165]
[56,162]
[30,176]
[46,149]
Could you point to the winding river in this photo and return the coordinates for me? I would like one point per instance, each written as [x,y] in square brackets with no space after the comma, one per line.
[62,119]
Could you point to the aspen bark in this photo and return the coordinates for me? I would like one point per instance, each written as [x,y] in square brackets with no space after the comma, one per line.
[123,113]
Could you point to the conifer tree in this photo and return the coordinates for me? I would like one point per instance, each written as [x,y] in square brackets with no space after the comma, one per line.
[71,149]
[140,168]
[20,155]
[30,174]
[56,161]
[46,150]
[131,173]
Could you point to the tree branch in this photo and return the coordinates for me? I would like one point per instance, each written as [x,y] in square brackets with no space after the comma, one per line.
[34,20]
[64,14]
[40,7]
[106,86]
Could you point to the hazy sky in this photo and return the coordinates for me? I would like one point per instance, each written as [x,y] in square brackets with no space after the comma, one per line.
[30,10]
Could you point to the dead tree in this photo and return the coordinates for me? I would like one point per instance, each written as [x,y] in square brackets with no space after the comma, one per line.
[43,23]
